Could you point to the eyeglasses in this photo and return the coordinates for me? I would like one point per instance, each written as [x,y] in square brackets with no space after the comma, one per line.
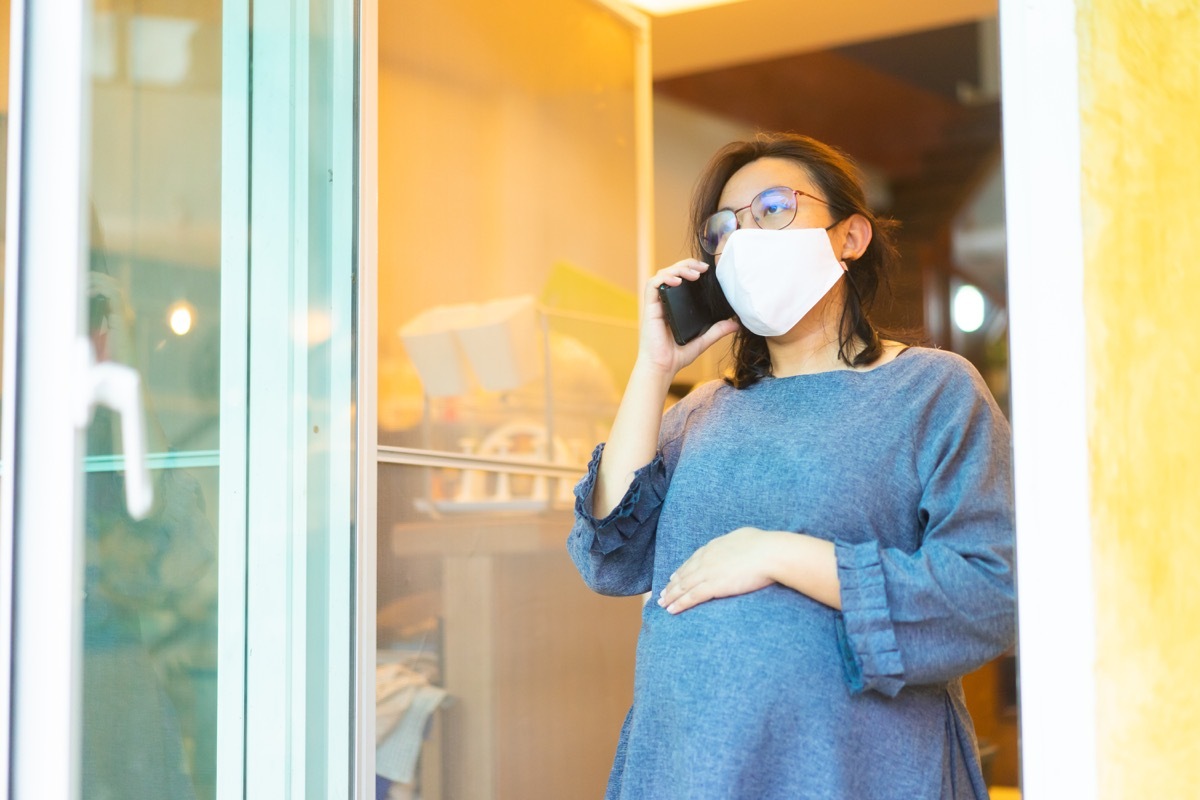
[772,209]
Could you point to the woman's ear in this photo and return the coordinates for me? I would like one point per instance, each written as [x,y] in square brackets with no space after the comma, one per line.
[858,236]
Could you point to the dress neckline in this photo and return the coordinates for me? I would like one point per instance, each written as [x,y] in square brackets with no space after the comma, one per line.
[864,372]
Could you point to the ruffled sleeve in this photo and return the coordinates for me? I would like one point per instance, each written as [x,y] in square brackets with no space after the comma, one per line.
[933,615]
[865,633]
[615,555]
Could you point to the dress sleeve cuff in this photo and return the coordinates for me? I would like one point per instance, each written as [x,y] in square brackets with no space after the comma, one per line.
[641,500]
[870,654]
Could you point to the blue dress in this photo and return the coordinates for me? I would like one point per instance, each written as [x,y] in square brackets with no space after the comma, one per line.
[906,468]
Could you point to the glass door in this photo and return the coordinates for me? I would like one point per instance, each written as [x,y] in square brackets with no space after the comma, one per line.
[178,400]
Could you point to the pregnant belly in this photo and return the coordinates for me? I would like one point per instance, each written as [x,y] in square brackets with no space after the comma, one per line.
[754,651]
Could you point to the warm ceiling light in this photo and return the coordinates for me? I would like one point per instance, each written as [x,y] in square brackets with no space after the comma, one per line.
[180,317]
[661,8]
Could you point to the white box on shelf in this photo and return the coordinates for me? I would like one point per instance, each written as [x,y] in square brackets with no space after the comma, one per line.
[504,343]
[434,348]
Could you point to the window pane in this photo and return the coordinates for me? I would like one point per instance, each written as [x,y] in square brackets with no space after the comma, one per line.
[507,317]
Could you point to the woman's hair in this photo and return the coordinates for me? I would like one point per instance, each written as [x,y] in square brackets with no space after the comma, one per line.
[837,177]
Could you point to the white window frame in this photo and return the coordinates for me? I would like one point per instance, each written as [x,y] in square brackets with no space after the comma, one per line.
[43,486]
[366,421]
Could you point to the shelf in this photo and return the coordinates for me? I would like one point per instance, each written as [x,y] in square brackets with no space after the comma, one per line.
[491,534]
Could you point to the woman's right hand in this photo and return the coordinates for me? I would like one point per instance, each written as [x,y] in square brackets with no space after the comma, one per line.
[633,439]
[657,349]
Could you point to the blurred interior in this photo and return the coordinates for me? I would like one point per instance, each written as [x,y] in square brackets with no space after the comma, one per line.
[508,253]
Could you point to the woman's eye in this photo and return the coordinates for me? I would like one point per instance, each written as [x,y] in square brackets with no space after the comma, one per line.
[773,204]
[774,208]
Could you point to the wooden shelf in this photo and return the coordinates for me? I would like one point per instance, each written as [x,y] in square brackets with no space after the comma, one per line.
[490,533]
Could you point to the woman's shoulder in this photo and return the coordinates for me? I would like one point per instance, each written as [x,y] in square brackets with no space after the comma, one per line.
[932,357]
[931,364]
[696,399]
[945,385]
[697,396]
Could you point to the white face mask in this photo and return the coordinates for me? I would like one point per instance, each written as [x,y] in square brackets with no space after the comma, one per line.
[773,278]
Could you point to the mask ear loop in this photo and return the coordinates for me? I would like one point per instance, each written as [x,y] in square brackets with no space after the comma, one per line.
[841,263]
[853,285]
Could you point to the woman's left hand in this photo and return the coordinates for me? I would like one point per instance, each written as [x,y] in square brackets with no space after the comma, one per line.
[737,563]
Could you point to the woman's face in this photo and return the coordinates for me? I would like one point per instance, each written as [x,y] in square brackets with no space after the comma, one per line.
[767,173]
[848,237]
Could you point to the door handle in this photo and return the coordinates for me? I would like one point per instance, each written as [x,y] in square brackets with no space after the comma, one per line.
[119,387]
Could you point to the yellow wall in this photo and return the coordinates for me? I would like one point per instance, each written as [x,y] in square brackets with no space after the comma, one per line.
[500,159]
[5,49]
[507,167]
[1140,96]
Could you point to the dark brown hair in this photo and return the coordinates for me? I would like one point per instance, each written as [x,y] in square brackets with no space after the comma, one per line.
[838,179]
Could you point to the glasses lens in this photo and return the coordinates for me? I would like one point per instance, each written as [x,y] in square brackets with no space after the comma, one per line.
[716,231]
[774,208]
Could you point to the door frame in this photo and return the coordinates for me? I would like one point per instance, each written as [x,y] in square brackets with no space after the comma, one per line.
[1048,356]
[48,162]
[366,395]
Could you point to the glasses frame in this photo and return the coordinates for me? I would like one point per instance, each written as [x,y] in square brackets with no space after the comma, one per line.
[737,222]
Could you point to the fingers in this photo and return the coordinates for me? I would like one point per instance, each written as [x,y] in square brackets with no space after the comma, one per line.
[687,587]
[677,273]
[676,597]
[656,344]
[718,331]
[729,565]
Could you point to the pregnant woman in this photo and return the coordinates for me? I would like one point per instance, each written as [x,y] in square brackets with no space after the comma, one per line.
[826,534]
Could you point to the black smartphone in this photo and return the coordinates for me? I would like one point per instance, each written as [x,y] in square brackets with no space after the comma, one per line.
[688,312]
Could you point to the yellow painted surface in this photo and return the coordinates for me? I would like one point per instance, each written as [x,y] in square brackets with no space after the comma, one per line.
[1140,96]
[5,49]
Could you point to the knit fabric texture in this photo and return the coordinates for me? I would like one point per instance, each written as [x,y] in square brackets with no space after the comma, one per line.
[906,468]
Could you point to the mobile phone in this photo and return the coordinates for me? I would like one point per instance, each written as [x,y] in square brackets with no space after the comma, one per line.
[688,312]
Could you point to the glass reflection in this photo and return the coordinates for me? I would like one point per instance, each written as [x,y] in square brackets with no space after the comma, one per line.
[150,605]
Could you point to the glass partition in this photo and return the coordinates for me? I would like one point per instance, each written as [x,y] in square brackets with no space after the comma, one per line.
[509,218]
